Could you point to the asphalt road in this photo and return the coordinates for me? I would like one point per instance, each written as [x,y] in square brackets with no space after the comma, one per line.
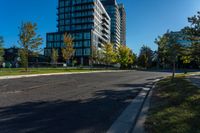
[78,103]
[195,80]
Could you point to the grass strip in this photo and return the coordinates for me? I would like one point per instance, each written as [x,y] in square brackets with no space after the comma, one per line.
[175,107]
[20,71]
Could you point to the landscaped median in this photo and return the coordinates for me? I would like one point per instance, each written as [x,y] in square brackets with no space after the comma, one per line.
[20,71]
[175,107]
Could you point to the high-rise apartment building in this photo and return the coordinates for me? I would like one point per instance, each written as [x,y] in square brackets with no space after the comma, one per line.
[112,9]
[123,24]
[86,21]
[90,23]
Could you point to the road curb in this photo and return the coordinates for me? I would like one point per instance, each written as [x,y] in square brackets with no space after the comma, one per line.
[127,120]
[139,125]
[54,74]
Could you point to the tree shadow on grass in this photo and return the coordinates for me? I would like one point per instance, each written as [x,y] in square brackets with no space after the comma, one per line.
[174,108]
[60,116]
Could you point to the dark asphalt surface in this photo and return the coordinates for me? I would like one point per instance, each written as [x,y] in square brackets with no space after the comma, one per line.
[195,80]
[78,103]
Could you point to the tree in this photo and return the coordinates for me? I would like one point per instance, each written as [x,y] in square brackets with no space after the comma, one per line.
[170,49]
[23,58]
[145,57]
[94,54]
[29,41]
[134,58]
[125,56]
[54,56]
[100,56]
[1,50]
[185,57]
[68,49]
[162,60]
[173,50]
[193,34]
[195,52]
[109,54]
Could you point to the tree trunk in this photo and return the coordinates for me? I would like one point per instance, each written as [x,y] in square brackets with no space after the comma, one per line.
[174,70]
[67,63]
[26,66]
[26,63]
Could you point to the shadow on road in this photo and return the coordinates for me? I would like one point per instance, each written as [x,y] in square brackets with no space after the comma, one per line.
[138,86]
[60,116]
[170,70]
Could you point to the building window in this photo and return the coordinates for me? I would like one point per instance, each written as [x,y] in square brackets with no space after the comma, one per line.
[57,37]
[78,44]
[62,4]
[49,44]
[67,22]
[78,52]
[61,16]
[50,38]
[87,43]
[67,28]
[62,10]
[87,35]
[67,3]
[86,51]
[78,36]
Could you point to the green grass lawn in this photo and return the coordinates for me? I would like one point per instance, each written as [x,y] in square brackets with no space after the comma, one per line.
[175,108]
[20,71]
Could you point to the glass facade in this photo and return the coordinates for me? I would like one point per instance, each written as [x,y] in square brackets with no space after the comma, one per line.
[123,24]
[112,8]
[86,21]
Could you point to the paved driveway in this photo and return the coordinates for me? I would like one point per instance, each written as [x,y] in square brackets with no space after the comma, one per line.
[84,103]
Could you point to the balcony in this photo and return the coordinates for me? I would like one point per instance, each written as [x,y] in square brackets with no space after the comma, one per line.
[105,15]
[105,26]
[105,21]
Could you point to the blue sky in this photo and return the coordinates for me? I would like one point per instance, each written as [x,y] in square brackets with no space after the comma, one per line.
[146,19]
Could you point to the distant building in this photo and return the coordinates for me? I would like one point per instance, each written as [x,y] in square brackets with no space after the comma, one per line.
[181,38]
[12,56]
[112,8]
[88,23]
[123,24]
